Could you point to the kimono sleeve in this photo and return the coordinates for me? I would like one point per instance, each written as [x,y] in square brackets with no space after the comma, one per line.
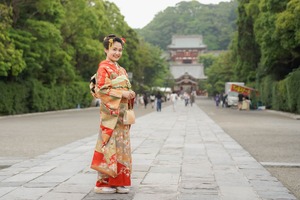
[110,96]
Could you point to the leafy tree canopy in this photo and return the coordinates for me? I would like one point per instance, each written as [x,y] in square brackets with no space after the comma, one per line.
[58,42]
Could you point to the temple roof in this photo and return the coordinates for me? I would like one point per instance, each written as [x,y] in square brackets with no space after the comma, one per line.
[193,70]
[187,41]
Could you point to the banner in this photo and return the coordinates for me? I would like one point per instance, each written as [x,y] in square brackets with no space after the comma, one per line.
[241,89]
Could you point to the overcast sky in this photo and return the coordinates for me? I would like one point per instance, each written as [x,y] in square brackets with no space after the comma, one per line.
[138,13]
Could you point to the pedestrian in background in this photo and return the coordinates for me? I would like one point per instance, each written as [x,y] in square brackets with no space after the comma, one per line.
[112,154]
[240,101]
[145,98]
[158,101]
[152,100]
[137,100]
[174,98]
[186,97]
[224,100]
[192,98]
[217,100]
[221,99]
[141,100]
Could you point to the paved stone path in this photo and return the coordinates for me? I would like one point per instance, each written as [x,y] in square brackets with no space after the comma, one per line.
[180,155]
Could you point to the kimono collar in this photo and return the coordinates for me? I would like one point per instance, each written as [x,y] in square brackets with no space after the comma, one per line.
[113,66]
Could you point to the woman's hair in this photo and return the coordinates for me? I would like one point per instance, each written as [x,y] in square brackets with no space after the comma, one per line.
[110,39]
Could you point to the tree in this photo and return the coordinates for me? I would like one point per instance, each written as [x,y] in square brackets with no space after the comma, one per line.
[207,60]
[11,61]
[81,30]
[287,29]
[275,60]
[35,32]
[246,50]
[219,72]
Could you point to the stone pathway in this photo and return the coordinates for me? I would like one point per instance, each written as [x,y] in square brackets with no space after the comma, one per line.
[181,155]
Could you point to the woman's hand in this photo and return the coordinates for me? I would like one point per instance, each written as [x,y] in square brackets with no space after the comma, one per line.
[128,94]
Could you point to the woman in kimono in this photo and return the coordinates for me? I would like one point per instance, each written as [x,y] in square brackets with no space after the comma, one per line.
[112,155]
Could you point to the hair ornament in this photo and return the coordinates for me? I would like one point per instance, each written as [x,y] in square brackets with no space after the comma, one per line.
[111,41]
[124,40]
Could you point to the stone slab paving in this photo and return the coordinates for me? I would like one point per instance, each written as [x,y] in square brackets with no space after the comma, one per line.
[181,155]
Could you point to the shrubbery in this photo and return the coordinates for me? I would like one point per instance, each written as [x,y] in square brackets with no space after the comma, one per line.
[33,96]
[282,95]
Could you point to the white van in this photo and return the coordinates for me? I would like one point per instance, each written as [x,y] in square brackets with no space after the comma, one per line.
[232,99]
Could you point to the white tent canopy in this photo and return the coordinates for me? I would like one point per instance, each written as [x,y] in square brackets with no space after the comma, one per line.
[162,89]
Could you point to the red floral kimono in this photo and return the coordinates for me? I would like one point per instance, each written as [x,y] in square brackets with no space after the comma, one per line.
[113,160]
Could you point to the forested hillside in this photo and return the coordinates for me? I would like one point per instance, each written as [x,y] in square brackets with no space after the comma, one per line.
[49,49]
[217,24]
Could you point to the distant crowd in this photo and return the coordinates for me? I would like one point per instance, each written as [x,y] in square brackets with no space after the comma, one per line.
[156,100]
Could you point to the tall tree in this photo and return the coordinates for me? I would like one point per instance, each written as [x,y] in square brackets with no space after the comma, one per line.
[287,29]
[11,61]
[81,30]
[247,50]
[36,32]
[275,60]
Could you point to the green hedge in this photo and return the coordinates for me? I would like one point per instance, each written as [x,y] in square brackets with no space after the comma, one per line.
[265,91]
[33,96]
[13,98]
[282,95]
[279,96]
[293,94]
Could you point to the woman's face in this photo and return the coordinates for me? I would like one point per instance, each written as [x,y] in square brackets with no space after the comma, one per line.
[114,53]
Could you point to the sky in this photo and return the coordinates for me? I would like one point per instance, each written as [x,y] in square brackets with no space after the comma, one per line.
[138,13]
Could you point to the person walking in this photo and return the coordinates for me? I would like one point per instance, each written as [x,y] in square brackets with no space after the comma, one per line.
[221,99]
[158,102]
[137,100]
[186,98]
[112,154]
[192,98]
[224,100]
[152,100]
[174,98]
[240,101]
[145,98]
[217,100]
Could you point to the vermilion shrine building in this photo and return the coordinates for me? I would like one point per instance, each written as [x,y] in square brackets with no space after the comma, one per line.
[183,59]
